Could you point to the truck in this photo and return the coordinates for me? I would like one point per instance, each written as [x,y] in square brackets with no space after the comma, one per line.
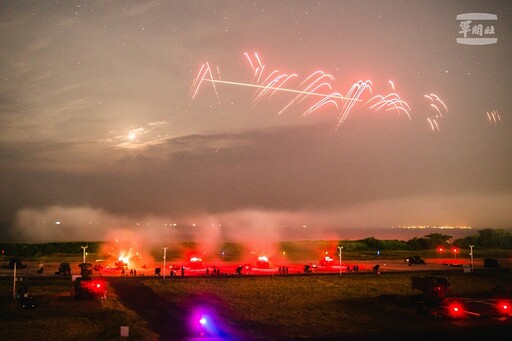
[64,269]
[415,260]
[433,288]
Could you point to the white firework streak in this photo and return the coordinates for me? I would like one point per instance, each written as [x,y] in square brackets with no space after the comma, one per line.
[440,101]
[489,117]
[355,91]
[321,73]
[391,101]
[434,99]
[311,88]
[437,109]
[433,124]
[251,85]
[196,84]
[317,88]
[258,93]
[249,59]
[269,76]
[258,59]
[282,83]
[330,99]
[392,85]
[494,117]
[275,84]
[261,69]
[437,126]
[200,75]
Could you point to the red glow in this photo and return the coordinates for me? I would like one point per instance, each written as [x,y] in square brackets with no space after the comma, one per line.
[326,261]
[504,307]
[440,249]
[455,309]
[263,262]
[95,287]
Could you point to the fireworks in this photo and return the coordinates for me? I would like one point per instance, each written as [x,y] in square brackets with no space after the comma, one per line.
[389,102]
[317,88]
[392,85]
[494,117]
[437,108]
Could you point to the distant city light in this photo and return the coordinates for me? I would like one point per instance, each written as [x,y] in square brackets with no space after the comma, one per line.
[431,227]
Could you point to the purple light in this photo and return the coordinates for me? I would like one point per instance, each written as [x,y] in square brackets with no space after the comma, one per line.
[203,321]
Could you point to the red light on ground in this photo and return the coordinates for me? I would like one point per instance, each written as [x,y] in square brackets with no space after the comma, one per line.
[504,307]
[455,309]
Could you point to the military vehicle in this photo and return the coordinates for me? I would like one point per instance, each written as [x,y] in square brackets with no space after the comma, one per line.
[64,269]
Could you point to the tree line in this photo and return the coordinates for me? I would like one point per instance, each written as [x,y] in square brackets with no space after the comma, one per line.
[485,239]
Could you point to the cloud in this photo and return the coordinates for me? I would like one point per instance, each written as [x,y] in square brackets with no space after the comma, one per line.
[138,138]
[273,177]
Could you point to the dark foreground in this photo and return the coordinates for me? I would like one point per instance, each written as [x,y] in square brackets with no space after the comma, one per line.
[356,306]
[268,309]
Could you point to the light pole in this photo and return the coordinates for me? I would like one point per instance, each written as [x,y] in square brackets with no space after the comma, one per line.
[340,248]
[84,247]
[471,254]
[165,253]
[14,282]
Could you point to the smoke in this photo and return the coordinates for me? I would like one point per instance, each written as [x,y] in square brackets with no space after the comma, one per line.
[261,231]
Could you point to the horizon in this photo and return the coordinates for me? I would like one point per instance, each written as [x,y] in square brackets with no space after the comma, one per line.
[290,234]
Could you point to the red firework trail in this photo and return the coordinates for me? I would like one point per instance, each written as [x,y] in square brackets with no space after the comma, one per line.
[317,84]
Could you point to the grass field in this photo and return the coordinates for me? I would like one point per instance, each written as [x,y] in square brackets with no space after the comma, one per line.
[58,316]
[277,307]
[321,306]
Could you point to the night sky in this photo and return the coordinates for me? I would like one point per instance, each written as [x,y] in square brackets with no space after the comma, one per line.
[99,131]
